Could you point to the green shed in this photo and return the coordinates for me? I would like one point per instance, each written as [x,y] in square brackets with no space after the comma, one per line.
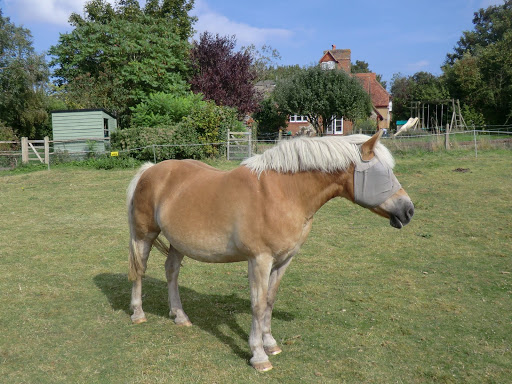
[75,130]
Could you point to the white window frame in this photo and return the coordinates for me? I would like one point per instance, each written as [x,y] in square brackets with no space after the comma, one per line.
[298,119]
[336,126]
[328,65]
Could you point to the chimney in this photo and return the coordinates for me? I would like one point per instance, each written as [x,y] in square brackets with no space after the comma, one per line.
[333,47]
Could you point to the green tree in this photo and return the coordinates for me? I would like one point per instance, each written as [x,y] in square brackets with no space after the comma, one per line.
[422,86]
[268,116]
[491,25]
[117,55]
[23,82]
[164,109]
[322,95]
[479,71]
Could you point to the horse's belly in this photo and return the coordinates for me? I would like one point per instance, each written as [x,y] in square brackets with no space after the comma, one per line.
[208,249]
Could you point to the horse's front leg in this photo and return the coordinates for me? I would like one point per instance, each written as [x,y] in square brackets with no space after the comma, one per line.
[259,273]
[269,343]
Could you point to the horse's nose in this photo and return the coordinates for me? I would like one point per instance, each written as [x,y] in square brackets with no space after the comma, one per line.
[410,212]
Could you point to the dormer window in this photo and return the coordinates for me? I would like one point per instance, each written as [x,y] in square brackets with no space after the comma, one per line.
[328,65]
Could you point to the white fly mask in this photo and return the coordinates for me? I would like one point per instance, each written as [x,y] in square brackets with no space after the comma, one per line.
[374,183]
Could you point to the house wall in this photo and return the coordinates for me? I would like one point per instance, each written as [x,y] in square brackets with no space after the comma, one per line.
[81,124]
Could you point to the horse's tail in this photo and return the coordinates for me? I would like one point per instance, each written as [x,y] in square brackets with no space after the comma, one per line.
[136,268]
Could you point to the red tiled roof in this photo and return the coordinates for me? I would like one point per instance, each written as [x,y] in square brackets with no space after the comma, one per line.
[378,95]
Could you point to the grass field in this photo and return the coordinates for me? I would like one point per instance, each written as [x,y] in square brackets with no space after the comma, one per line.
[361,303]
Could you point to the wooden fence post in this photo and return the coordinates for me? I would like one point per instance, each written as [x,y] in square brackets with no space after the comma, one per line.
[24,150]
[447,137]
[46,150]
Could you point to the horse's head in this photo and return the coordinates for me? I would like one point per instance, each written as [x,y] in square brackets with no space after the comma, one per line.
[376,187]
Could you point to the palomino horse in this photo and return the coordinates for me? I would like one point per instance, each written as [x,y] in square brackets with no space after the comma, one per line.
[260,212]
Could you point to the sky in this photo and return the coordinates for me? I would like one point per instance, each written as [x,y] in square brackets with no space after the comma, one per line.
[392,37]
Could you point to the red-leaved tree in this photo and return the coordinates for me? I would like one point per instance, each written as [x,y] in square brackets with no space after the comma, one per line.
[223,75]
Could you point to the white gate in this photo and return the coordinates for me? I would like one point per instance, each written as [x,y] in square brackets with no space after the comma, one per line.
[239,146]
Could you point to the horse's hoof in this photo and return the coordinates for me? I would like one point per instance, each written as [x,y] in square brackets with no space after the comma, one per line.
[274,350]
[140,320]
[264,366]
[185,323]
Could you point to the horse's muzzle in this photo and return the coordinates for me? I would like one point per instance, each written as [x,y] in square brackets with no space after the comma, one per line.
[403,216]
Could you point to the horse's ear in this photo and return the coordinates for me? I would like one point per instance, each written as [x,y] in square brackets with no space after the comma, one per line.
[368,147]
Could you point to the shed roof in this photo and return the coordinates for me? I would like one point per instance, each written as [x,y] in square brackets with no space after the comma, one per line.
[85,110]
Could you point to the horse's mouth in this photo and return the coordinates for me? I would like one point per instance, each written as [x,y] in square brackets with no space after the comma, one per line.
[395,222]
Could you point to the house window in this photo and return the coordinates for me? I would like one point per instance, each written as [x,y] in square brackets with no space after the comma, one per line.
[336,126]
[106,133]
[298,119]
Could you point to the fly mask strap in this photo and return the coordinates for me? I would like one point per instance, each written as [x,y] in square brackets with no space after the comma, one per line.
[374,183]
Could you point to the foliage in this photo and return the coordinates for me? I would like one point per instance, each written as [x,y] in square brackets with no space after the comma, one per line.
[472,117]
[116,56]
[479,72]
[268,116]
[281,72]
[6,134]
[201,133]
[223,75]
[321,95]
[23,78]
[158,143]
[263,59]
[422,86]
[211,123]
[491,26]
[108,162]
[164,109]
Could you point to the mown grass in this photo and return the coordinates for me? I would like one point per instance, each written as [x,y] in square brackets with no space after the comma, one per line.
[361,303]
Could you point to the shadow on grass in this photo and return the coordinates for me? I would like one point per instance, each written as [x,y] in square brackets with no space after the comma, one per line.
[206,311]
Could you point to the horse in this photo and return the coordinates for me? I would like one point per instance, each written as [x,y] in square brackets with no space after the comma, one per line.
[260,212]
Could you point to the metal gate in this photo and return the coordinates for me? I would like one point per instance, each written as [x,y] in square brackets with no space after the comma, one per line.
[239,145]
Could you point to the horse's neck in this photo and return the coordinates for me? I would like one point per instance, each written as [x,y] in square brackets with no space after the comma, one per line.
[312,189]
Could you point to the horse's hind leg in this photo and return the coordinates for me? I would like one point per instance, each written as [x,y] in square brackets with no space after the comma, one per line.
[139,254]
[172,270]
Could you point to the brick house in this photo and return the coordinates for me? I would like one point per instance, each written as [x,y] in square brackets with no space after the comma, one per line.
[341,59]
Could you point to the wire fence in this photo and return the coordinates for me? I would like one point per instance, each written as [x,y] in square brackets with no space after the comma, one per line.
[474,140]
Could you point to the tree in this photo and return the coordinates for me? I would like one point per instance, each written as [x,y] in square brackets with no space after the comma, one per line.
[263,59]
[479,72]
[223,75]
[363,67]
[116,56]
[268,116]
[422,86]
[491,25]
[23,80]
[322,95]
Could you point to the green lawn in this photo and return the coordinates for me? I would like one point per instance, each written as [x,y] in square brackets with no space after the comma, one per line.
[361,303]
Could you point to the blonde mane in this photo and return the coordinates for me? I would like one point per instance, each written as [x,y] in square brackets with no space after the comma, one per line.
[326,154]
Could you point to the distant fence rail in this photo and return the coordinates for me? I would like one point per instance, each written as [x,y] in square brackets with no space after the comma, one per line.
[238,146]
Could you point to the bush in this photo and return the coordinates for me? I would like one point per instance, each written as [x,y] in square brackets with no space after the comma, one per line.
[164,142]
[200,134]
[164,109]
[7,134]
